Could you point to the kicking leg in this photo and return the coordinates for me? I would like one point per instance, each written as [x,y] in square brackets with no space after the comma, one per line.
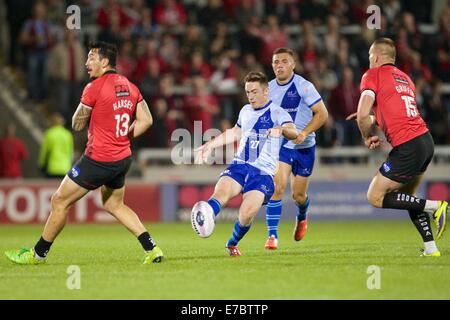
[226,189]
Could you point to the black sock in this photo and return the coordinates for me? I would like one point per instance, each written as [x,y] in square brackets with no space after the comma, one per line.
[422,222]
[146,241]
[42,247]
[399,200]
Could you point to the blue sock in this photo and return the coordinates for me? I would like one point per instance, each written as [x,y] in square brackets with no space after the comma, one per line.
[215,205]
[273,214]
[302,210]
[238,233]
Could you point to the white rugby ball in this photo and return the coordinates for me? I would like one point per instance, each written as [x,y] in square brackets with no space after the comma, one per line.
[202,219]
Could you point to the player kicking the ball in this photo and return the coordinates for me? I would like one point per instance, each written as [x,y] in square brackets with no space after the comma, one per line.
[260,127]
[391,94]
[108,104]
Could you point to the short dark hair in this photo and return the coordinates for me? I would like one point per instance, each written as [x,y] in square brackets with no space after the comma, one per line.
[105,50]
[255,76]
[388,47]
[284,50]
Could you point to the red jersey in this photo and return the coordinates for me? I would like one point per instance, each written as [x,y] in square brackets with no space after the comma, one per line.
[395,106]
[113,99]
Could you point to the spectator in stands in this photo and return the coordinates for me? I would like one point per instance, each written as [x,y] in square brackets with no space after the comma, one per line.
[150,83]
[223,43]
[437,114]
[169,52]
[151,53]
[193,41]
[113,33]
[110,10]
[145,27]
[196,66]
[343,102]
[332,36]
[12,153]
[211,14]
[67,71]
[56,151]
[37,39]
[170,14]
[126,63]
[201,105]
[272,37]
[250,36]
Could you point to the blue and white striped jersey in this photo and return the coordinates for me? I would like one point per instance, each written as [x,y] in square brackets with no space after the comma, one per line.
[296,97]
[255,147]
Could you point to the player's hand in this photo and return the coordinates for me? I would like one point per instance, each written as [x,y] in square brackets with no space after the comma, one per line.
[275,132]
[351,116]
[300,138]
[201,154]
[372,142]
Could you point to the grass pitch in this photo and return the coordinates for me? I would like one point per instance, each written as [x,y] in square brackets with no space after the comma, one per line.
[330,263]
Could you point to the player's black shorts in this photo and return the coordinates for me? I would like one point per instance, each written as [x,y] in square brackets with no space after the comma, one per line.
[410,159]
[91,174]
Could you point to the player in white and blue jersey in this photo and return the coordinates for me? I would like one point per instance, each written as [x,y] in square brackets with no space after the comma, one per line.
[260,128]
[304,104]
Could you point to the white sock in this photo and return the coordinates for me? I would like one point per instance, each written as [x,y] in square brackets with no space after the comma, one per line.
[431,206]
[430,247]
[38,257]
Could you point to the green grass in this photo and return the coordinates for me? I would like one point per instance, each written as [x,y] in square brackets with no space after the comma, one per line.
[330,263]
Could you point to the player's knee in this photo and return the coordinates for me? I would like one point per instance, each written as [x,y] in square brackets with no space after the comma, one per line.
[299,197]
[279,192]
[375,199]
[58,201]
[111,206]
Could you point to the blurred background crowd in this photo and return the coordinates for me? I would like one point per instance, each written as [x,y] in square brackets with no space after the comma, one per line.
[189,57]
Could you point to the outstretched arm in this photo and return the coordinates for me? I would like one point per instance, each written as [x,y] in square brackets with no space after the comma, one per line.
[81,117]
[227,137]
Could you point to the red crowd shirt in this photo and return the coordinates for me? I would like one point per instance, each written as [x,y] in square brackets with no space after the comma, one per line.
[12,152]
[395,106]
[113,99]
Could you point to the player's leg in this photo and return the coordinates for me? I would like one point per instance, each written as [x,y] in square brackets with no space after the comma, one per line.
[299,187]
[112,200]
[421,219]
[229,186]
[251,203]
[302,168]
[66,195]
[274,206]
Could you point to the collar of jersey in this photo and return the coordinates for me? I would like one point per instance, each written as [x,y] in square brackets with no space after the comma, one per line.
[282,85]
[263,107]
[388,64]
[110,71]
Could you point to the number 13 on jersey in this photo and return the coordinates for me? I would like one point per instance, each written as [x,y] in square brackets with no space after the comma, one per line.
[122,124]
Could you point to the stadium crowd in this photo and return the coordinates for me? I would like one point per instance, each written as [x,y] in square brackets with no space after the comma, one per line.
[189,57]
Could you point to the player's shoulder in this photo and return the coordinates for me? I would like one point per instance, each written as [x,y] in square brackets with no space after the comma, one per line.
[371,72]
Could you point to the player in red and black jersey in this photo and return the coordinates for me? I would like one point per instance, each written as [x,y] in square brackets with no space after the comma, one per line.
[390,93]
[109,104]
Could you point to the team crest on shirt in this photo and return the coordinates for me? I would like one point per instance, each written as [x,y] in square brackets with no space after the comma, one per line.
[264,119]
[292,94]
[122,90]
[386,167]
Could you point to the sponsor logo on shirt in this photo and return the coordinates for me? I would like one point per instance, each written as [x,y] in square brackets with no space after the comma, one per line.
[122,90]
[386,167]
[264,119]
[292,94]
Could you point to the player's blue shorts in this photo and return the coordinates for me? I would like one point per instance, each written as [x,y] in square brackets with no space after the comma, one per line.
[251,178]
[301,160]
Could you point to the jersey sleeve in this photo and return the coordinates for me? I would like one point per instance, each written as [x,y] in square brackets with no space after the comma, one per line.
[239,120]
[89,96]
[368,82]
[309,94]
[281,117]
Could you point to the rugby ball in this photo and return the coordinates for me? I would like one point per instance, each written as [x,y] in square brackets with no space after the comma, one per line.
[202,219]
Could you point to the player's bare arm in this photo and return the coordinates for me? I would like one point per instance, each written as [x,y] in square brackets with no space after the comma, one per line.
[366,121]
[143,120]
[228,136]
[320,116]
[81,117]
[288,130]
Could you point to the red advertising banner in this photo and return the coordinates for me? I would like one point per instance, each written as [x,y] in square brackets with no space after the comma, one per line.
[27,202]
